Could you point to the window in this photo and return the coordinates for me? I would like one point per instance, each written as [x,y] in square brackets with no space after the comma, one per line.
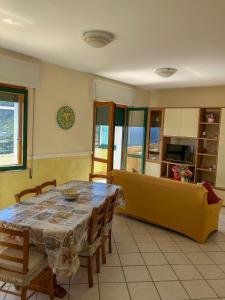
[13,128]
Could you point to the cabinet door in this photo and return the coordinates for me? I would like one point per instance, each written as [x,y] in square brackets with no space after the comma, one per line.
[188,126]
[171,121]
[152,169]
[220,175]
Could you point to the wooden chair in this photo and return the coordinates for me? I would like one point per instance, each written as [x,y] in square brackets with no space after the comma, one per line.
[20,265]
[45,184]
[108,178]
[93,244]
[107,230]
[26,192]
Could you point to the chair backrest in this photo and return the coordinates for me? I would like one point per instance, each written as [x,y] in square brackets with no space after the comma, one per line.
[96,223]
[26,192]
[45,184]
[12,243]
[108,178]
[110,205]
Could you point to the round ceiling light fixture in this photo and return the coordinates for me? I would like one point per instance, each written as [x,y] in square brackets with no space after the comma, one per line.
[98,38]
[165,72]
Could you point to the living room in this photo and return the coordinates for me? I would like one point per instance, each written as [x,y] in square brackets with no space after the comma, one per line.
[127,94]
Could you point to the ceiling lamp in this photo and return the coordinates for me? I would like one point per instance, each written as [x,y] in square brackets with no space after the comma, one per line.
[97,38]
[165,72]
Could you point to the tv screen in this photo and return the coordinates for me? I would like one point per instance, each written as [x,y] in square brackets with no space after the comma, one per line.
[180,153]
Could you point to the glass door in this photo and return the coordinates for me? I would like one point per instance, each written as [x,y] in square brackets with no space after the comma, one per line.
[135,139]
[102,160]
[154,135]
[119,136]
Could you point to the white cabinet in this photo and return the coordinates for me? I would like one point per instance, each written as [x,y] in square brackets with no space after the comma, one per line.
[152,169]
[182,122]
[171,121]
[188,126]
[220,175]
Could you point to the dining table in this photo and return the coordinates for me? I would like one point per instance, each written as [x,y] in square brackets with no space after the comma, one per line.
[59,227]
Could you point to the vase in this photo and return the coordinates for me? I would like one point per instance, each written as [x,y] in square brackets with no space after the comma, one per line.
[184,179]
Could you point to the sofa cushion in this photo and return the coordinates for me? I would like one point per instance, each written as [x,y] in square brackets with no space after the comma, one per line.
[212,197]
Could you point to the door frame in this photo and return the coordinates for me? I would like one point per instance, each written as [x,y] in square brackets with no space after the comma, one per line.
[123,158]
[145,109]
[109,160]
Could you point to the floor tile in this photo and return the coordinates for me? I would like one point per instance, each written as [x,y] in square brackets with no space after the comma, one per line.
[178,237]
[222,267]
[136,273]
[138,229]
[168,247]
[142,237]
[118,220]
[123,237]
[120,229]
[177,258]
[113,291]
[218,286]
[171,290]
[112,260]
[210,271]
[156,229]
[81,277]
[148,247]
[131,259]
[114,249]
[186,272]
[111,274]
[198,289]
[161,237]
[188,246]
[127,247]
[209,246]
[143,291]
[217,236]
[162,273]
[200,258]
[221,245]
[83,292]
[217,257]
[154,259]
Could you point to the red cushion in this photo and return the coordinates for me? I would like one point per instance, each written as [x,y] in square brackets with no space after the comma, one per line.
[212,197]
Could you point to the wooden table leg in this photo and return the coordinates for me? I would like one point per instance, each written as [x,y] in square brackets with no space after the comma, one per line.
[41,284]
[59,291]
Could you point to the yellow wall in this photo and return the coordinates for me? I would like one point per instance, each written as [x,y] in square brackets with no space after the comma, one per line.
[59,154]
[62,169]
[188,97]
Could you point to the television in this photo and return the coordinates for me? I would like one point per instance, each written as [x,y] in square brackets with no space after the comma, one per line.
[180,153]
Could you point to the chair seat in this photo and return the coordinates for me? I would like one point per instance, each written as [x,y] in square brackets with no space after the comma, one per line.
[37,262]
[89,250]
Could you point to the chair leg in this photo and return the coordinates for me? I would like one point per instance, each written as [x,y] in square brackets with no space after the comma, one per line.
[51,285]
[24,293]
[90,271]
[97,256]
[103,250]
[110,241]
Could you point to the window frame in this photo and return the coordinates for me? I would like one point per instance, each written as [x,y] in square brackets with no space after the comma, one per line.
[23,123]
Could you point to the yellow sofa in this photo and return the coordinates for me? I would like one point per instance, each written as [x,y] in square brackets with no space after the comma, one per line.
[182,207]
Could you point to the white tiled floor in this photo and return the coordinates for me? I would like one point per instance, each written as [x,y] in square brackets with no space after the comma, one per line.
[152,263]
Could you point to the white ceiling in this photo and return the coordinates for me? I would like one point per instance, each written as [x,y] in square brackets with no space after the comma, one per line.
[186,34]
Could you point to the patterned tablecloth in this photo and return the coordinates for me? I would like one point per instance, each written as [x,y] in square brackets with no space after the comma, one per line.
[57,226]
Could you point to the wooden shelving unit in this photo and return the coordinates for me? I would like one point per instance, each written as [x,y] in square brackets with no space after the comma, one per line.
[207,145]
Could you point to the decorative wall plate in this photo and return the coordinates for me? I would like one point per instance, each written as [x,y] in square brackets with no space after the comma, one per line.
[65,117]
